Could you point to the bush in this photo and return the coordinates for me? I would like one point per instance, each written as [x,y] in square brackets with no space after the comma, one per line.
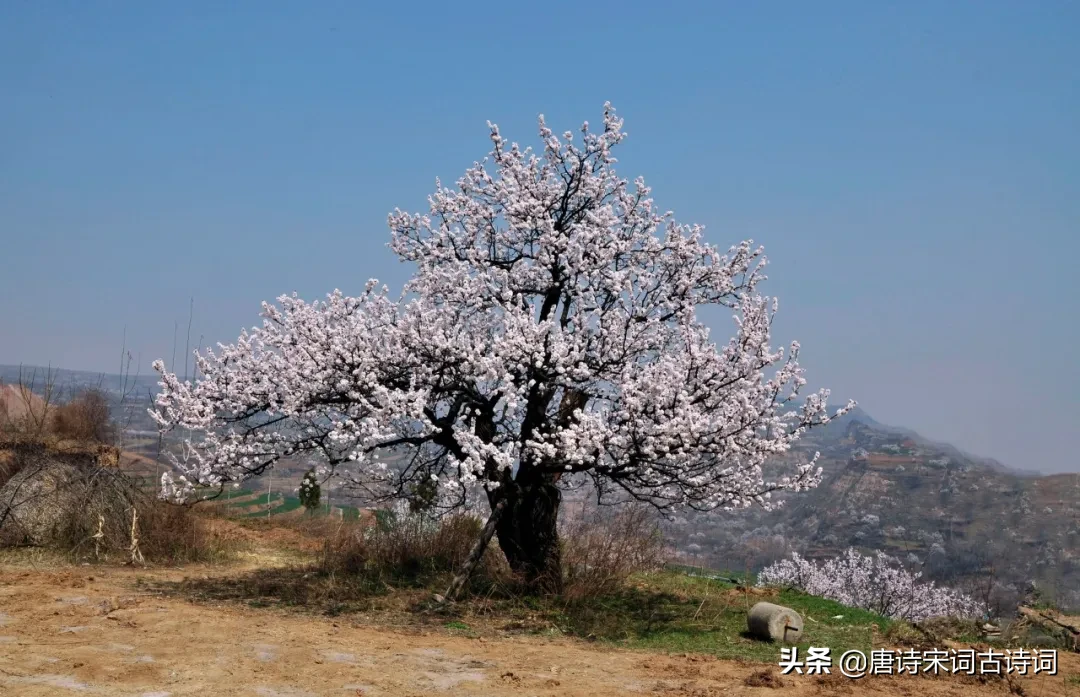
[310,492]
[84,418]
[173,533]
[603,547]
[415,549]
[31,411]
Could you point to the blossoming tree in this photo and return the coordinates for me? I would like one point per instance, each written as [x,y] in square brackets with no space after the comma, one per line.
[547,336]
[877,582]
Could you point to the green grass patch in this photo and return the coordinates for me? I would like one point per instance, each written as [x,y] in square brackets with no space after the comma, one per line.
[287,505]
[674,612]
[349,512]
[260,500]
[291,504]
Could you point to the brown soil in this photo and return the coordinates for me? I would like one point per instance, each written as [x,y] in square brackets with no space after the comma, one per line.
[229,500]
[95,631]
[265,542]
[256,507]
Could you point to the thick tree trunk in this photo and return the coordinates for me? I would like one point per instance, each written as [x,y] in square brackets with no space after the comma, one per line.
[528,534]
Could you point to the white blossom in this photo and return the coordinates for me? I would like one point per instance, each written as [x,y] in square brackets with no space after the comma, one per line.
[877,582]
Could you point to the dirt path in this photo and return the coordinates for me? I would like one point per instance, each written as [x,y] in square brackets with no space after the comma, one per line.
[90,631]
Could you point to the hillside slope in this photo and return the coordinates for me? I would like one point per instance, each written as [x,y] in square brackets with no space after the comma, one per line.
[960,519]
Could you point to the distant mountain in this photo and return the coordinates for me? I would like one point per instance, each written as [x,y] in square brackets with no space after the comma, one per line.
[961,519]
[129,396]
[72,380]
[858,414]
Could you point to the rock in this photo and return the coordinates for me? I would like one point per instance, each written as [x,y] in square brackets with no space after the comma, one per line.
[771,622]
[38,497]
[66,499]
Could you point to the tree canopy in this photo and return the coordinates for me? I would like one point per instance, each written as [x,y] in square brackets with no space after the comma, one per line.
[548,335]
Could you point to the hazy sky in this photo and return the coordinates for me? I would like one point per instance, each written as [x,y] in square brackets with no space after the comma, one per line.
[913,170]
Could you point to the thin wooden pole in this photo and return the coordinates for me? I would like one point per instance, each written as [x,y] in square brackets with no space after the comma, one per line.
[475,554]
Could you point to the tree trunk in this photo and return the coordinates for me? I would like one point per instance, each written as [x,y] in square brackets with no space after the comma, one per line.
[528,535]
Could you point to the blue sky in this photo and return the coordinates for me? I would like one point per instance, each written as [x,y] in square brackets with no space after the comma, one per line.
[911,168]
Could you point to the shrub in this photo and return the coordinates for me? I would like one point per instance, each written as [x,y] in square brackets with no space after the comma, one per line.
[310,492]
[84,418]
[600,549]
[409,548]
[173,533]
[603,547]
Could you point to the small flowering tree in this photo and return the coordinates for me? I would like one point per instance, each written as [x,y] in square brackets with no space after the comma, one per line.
[877,582]
[548,336]
[310,492]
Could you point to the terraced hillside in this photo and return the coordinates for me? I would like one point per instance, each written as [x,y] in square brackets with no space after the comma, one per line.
[248,503]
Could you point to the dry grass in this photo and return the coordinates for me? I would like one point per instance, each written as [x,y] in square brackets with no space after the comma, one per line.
[602,548]
[84,418]
[414,550]
[764,678]
[394,565]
